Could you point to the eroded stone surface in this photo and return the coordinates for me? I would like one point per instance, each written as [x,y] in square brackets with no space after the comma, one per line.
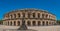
[38,28]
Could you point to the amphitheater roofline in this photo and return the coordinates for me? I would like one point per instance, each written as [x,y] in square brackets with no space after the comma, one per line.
[30,9]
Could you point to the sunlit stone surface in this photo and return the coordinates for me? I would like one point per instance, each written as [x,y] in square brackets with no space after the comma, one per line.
[38,28]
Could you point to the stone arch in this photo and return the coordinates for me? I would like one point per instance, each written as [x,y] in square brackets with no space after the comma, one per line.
[38,15]
[18,15]
[11,23]
[43,23]
[46,15]
[14,15]
[23,14]
[28,15]
[39,23]
[8,22]
[28,23]
[14,23]
[47,23]
[42,15]
[34,23]
[18,23]
[11,16]
[33,15]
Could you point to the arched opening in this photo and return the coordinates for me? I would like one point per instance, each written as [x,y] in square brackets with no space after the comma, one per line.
[39,23]
[28,15]
[43,23]
[33,15]
[50,23]
[18,23]
[28,23]
[11,23]
[14,23]
[46,16]
[38,15]
[42,15]
[49,16]
[47,23]
[18,15]
[14,15]
[34,23]
[8,22]
[23,14]
[11,16]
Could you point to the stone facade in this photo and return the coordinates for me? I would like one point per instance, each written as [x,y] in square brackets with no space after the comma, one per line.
[32,17]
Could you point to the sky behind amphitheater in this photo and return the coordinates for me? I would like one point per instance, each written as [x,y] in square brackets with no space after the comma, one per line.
[52,6]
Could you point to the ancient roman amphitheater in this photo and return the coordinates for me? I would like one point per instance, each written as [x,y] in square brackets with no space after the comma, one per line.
[33,17]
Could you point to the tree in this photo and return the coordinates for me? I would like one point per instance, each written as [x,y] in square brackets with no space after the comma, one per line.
[1,21]
[58,22]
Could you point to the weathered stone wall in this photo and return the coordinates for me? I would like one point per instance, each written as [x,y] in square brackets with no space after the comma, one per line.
[35,18]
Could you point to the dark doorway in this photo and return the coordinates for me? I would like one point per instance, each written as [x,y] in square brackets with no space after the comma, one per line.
[18,23]
[47,23]
[28,23]
[8,22]
[34,23]
[11,23]
[39,23]
[14,23]
[43,23]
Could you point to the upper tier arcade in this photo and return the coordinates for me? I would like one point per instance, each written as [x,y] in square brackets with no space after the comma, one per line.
[29,13]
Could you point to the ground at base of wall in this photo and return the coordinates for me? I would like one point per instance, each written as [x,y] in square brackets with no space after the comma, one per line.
[38,28]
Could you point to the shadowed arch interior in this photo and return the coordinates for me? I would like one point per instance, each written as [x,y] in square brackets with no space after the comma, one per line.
[28,23]
[34,23]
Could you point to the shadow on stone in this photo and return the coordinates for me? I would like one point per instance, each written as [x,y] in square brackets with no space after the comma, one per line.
[23,27]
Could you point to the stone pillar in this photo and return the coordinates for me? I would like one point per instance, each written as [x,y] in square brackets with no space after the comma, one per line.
[36,23]
[4,23]
[9,16]
[31,23]
[16,23]
[31,15]
[21,15]
[36,15]
[26,15]
[48,16]
[45,22]
[20,22]
[41,22]
[16,15]
[48,23]
[9,23]
[41,15]
[13,16]
[26,22]
[12,23]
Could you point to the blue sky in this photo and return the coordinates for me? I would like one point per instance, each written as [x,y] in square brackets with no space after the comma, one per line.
[52,6]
